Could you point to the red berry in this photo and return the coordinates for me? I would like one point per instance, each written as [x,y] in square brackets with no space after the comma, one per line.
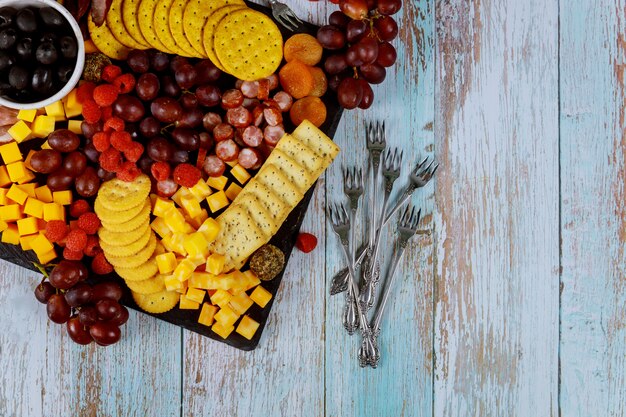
[101,141]
[125,83]
[91,111]
[306,242]
[89,222]
[76,240]
[114,123]
[186,175]
[85,92]
[105,95]
[56,230]
[110,73]
[100,265]
[160,171]
[72,255]
[110,160]
[107,112]
[79,207]
[93,246]
[133,152]
[128,172]
[121,140]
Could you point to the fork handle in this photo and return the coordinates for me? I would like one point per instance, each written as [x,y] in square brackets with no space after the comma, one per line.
[403,199]
[389,280]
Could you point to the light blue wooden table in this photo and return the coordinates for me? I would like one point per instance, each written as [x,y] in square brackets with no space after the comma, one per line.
[513,305]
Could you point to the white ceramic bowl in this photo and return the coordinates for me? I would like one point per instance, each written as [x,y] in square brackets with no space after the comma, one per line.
[80,58]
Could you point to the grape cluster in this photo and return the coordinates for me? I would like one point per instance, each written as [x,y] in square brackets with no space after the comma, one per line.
[90,312]
[358,37]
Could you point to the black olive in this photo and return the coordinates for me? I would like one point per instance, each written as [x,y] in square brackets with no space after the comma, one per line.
[69,49]
[18,77]
[42,80]
[6,61]
[51,17]
[7,15]
[26,20]
[8,37]
[46,53]
[24,49]
[64,73]
[48,37]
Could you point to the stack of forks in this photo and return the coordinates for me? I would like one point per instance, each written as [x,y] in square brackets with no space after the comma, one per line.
[380,178]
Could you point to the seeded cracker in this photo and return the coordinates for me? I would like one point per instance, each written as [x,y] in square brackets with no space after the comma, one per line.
[116,216]
[209,31]
[129,18]
[195,16]
[145,18]
[126,250]
[134,260]
[176,26]
[132,224]
[162,29]
[140,273]
[156,303]
[125,238]
[116,24]
[106,42]
[119,195]
[147,286]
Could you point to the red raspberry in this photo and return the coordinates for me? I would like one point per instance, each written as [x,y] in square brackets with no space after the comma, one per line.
[134,152]
[91,111]
[105,95]
[85,92]
[89,222]
[93,246]
[160,171]
[125,83]
[110,73]
[306,242]
[72,255]
[114,123]
[76,240]
[121,140]
[100,265]
[186,175]
[56,230]
[107,113]
[79,207]
[101,141]
[110,160]
[128,172]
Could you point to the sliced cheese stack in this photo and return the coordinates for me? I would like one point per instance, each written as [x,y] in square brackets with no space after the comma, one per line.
[265,202]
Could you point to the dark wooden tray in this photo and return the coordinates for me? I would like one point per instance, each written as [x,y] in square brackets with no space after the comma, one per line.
[284,239]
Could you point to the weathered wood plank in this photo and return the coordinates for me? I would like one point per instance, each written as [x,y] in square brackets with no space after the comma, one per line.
[402,384]
[593,136]
[497,225]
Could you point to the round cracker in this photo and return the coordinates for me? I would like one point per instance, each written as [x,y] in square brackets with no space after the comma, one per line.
[125,238]
[105,41]
[147,286]
[139,273]
[209,30]
[176,26]
[145,18]
[116,24]
[129,249]
[136,259]
[132,224]
[116,217]
[248,44]
[195,16]
[118,195]
[129,17]
[156,303]
[162,29]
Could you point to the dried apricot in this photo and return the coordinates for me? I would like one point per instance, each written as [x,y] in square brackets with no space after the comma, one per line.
[304,48]
[309,108]
[320,84]
[296,79]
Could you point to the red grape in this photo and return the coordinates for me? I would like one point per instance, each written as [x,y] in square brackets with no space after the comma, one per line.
[63,140]
[88,183]
[78,295]
[355,9]
[207,72]
[147,86]
[187,139]
[386,27]
[90,129]
[373,73]
[108,308]
[105,175]
[386,54]
[368,95]
[169,86]
[355,30]
[105,333]
[159,61]
[180,156]
[331,37]
[149,127]
[138,61]
[121,317]
[43,292]
[367,50]
[77,332]
[209,95]
[129,108]
[388,7]
[178,62]
[46,161]
[107,290]
[57,308]
[335,64]
[166,109]
[88,315]
[74,163]
[353,58]
[349,93]
[160,149]
[338,19]
[91,152]
[191,118]
[59,181]
[67,273]
[186,76]
[334,80]
[189,101]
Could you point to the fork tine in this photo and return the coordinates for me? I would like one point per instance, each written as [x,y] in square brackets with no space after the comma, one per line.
[293,15]
[419,165]
[286,23]
[428,167]
[432,173]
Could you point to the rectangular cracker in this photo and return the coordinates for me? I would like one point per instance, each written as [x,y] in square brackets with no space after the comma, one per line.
[316,140]
[276,207]
[300,153]
[275,180]
[259,214]
[238,238]
[296,173]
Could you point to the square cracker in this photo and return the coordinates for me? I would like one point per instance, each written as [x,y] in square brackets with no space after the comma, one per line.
[316,140]
[300,153]
[238,238]
[275,180]
[276,207]
[295,172]
[259,214]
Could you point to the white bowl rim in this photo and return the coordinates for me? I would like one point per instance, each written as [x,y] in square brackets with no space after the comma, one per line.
[80,58]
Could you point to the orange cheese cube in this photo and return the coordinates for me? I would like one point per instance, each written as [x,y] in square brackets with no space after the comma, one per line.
[166,262]
[26,241]
[222,331]
[43,126]
[73,107]
[27,115]
[41,244]
[187,304]
[3,225]
[191,205]
[63,198]
[240,174]
[221,298]
[160,227]
[217,201]
[178,195]
[75,126]
[16,194]
[200,191]
[44,258]
[20,131]
[240,303]
[46,145]
[53,211]
[10,212]
[56,110]
[172,284]
[3,196]
[28,177]
[33,207]
[207,313]
[10,152]
[251,279]
[161,207]
[195,294]
[11,235]
[43,194]
[17,170]
[4,177]
[215,263]
[27,226]
[175,220]
[196,244]
[201,280]
[28,188]
[28,158]
[210,228]
[226,316]
[217,182]
[247,327]
[232,191]
[184,269]
[261,296]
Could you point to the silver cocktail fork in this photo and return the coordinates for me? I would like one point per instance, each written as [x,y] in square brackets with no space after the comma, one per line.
[284,15]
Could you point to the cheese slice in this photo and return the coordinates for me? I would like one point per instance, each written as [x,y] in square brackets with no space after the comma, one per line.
[275,180]
[276,207]
[300,153]
[316,140]
[296,173]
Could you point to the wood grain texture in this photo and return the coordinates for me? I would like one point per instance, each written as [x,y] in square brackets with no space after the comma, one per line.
[593,136]
[496,228]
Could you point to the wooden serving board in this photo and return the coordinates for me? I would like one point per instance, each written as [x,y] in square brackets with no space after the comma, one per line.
[284,239]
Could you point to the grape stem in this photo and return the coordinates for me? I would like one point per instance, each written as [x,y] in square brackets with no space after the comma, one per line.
[43,270]
[356,73]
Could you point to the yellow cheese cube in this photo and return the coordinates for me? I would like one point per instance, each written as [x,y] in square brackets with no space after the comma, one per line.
[46,145]
[3,225]
[28,158]
[27,115]
[191,205]
[200,191]
[53,211]
[201,280]
[17,194]
[26,241]
[187,304]
[27,226]
[207,313]
[178,243]
[178,195]
[247,327]
[159,226]
[161,206]
[261,296]
[28,177]
[72,107]
[166,262]
[217,201]
[240,174]
[3,196]
[197,260]
[11,235]
[225,281]
[215,263]
[251,280]
[63,198]
[197,221]
[172,284]
[43,194]
[20,131]
[240,303]
[160,249]
[232,191]
[34,208]
[210,228]
[17,170]
[44,258]
[221,298]
[56,110]
[10,152]
[196,244]
[10,212]
[183,287]
[222,331]
[4,176]
[43,126]
[195,294]
[175,220]
[231,163]
[184,269]
[226,316]
[240,282]
[29,189]
[217,182]
[41,245]
[75,126]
